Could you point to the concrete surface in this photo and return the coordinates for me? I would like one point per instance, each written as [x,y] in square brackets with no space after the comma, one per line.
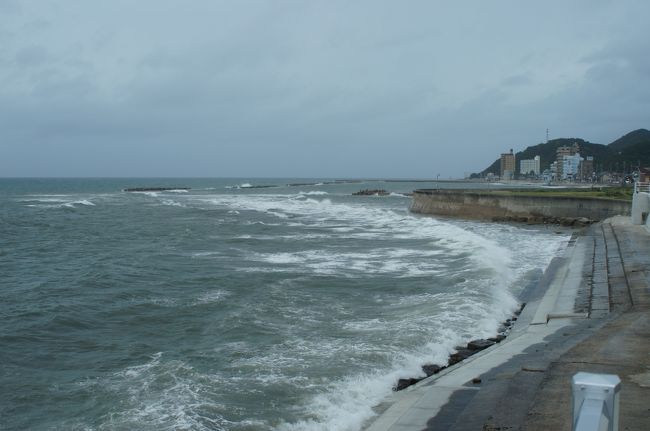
[590,312]
[487,205]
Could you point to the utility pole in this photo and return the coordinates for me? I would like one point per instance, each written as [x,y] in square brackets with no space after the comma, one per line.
[547,135]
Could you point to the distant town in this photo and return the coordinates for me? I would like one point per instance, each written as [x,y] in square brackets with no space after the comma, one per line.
[624,161]
[569,166]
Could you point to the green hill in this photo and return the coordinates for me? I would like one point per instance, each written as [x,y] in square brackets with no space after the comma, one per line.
[639,136]
[632,149]
[628,151]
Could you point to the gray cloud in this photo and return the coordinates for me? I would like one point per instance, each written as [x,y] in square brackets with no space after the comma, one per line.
[292,88]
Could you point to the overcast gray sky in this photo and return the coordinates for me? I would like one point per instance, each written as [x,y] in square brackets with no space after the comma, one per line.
[299,88]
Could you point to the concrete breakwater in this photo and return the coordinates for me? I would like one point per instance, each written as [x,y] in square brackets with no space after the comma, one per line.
[499,206]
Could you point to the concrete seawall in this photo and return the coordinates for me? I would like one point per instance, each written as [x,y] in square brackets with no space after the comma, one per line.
[485,205]
[590,312]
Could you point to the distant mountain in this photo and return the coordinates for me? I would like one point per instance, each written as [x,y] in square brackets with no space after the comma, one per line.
[627,151]
[639,136]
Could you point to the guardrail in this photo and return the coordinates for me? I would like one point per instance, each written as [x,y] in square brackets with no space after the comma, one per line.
[641,187]
[595,402]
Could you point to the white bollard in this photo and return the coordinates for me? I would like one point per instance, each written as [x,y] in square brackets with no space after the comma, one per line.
[595,402]
[640,207]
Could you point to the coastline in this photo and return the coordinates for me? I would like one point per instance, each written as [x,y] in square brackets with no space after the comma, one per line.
[530,293]
[438,389]
[581,292]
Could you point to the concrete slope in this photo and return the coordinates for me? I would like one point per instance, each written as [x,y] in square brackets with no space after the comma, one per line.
[571,324]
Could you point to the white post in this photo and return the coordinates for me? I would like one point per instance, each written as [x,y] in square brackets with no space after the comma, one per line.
[640,203]
[595,402]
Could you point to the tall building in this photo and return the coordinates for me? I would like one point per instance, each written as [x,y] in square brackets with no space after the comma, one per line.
[530,165]
[507,165]
[570,166]
[561,153]
[587,168]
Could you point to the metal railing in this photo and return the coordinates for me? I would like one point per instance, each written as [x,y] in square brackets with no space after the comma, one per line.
[595,402]
[641,187]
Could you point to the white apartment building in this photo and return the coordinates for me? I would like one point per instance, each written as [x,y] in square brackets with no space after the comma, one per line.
[528,166]
[570,166]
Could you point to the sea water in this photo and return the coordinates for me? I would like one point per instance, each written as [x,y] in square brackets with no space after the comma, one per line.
[240,304]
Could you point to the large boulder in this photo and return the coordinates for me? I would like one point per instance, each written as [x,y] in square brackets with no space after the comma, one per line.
[479,344]
[405,383]
[431,369]
[460,355]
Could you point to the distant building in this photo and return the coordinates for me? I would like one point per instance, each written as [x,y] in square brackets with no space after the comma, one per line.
[587,169]
[530,165]
[508,165]
[561,153]
[569,166]
[553,170]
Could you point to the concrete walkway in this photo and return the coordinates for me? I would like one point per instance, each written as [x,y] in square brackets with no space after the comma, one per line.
[590,312]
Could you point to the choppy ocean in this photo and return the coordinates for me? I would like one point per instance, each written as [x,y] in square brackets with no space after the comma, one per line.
[233,307]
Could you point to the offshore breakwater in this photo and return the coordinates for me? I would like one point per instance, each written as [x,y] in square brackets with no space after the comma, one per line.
[504,206]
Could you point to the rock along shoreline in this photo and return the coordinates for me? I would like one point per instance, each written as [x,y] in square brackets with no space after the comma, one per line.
[463,352]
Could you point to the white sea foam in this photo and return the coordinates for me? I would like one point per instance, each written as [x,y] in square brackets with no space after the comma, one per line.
[484,266]
[486,270]
[237,186]
[325,262]
[280,258]
[55,201]
[313,193]
[200,254]
[159,394]
[217,295]
[73,204]
[347,403]
[150,194]
[360,221]
[171,203]
[162,301]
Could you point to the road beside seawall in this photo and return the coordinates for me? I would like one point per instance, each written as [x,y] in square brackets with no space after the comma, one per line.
[590,312]
[486,205]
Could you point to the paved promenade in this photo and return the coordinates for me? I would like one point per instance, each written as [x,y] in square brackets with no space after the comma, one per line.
[590,312]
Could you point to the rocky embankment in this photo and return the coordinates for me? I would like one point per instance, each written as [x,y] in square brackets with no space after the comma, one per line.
[562,221]
[463,352]
[371,192]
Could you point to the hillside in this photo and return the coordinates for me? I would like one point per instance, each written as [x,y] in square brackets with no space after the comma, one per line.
[629,150]
[636,137]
